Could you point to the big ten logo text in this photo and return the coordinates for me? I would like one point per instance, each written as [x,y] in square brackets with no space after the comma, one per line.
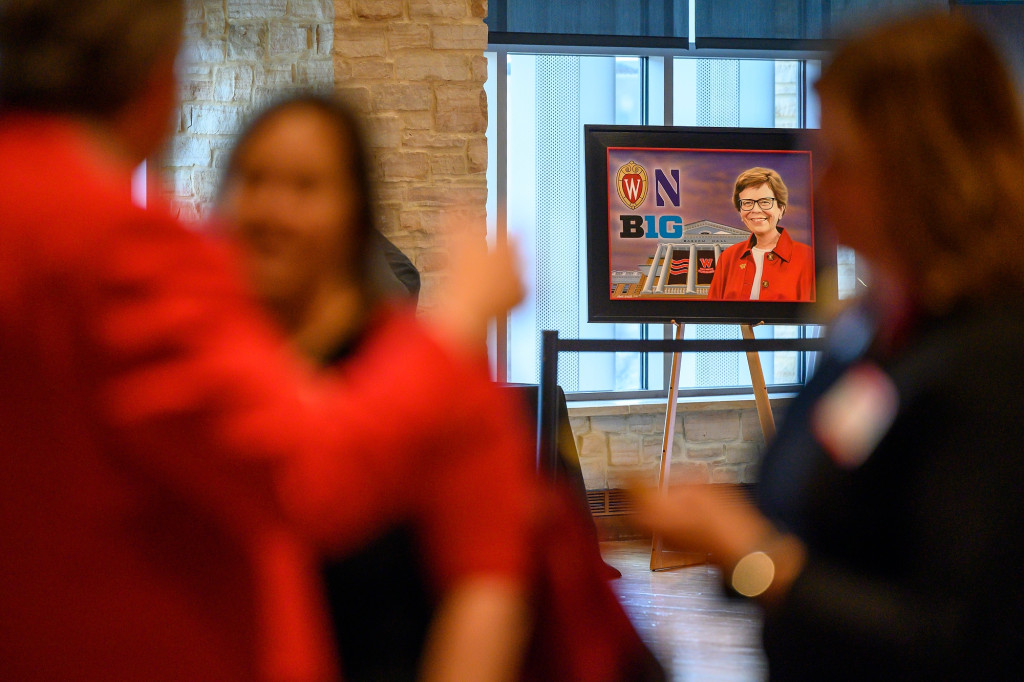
[632,185]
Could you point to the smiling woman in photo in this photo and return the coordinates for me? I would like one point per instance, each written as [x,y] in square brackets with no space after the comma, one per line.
[769,266]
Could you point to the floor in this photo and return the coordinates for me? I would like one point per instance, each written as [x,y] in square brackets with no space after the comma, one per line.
[697,634]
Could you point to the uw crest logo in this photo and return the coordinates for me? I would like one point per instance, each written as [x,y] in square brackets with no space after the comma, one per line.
[631,181]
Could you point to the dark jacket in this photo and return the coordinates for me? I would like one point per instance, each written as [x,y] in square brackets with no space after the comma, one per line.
[914,545]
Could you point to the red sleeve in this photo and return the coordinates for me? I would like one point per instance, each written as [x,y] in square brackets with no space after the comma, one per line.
[479,499]
[717,290]
[193,387]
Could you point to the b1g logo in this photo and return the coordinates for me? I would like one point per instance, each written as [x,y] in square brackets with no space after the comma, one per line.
[631,181]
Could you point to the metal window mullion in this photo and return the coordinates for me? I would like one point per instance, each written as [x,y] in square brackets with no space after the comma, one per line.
[803,357]
[502,52]
[801,105]
[503,327]
[645,91]
[669,98]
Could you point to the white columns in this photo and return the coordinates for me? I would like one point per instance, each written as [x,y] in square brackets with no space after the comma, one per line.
[691,272]
[649,284]
[666,269]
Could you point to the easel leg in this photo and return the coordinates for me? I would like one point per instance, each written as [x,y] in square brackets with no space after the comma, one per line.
[764,406]
[662,559]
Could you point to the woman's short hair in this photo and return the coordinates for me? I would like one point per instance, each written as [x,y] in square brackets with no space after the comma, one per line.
[933,105]
[755,177]
[82,56]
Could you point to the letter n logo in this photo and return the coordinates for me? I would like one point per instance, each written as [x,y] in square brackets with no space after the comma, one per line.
[631,181]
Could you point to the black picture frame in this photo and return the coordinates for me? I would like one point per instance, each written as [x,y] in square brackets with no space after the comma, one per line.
[751,142]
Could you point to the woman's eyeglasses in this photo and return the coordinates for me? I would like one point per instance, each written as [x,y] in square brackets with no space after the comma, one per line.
[763,203]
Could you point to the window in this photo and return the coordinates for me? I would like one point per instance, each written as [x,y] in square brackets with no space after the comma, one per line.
[539,103]
[550,98]
[140,184]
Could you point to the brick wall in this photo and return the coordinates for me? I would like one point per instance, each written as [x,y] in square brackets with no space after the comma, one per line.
[717,441]
[414,68]
[237,55]
[787,94]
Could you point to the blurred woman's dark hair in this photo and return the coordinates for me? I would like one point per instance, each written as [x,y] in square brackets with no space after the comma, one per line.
[934,105]
[353,152]
[82,56]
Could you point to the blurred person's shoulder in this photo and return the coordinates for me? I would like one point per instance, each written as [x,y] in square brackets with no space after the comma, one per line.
[61,192]
[45,156]
[971,351]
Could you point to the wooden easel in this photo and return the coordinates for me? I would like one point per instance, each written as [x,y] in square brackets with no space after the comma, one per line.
[663,559]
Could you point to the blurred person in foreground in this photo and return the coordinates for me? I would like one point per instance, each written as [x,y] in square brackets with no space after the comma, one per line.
[297,199]
[886,539]
[170,473]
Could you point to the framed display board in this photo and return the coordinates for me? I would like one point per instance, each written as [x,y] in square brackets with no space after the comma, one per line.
[663,214]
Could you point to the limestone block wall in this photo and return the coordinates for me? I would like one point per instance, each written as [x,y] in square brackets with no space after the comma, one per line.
[716,441]
[237,55]
[414,68]
[787,94]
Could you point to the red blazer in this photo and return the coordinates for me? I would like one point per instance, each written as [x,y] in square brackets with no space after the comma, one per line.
[168,472]
[787,273]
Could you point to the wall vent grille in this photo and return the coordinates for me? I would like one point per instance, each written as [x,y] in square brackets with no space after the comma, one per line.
[611,502]
[616,502]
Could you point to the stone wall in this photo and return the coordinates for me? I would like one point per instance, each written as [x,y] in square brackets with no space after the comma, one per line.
[787,94]
[238,55]
[414,68]
[716,441]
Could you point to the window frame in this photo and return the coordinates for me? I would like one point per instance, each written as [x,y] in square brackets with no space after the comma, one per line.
[668,55]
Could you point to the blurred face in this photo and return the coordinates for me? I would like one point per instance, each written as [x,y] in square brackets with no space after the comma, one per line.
[761,221]
[291,206]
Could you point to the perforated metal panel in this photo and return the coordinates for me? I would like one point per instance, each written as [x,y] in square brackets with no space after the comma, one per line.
[718,97]
[558,204]
[718,92]
[717,369]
